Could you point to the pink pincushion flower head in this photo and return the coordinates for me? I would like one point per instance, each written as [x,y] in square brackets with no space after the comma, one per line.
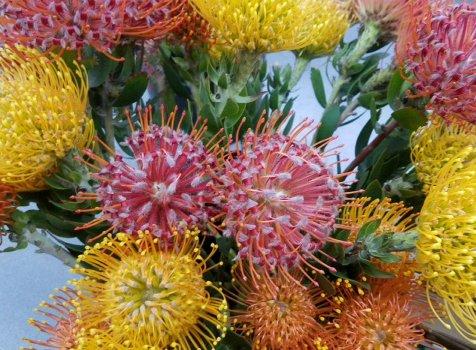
[72,25]
[164,187]
[280,199]
[440,55]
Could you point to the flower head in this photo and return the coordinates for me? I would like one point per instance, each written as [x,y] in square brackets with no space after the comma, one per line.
[166,187]
[72,25]
[333,21]
[434,144]
[385,318]
[62,327]
[280,198]
[193,29]
[279,313]
[151,292]
[267,25]
[7,207]
[439,55]
[447,237]
[43,108]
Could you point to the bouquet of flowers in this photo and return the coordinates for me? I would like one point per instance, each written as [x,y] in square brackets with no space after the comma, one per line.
[148,146]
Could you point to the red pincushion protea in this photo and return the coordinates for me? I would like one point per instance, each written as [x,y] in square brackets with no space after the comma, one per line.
[69,25]
[164,186]
[441,56]
[280,198]
[72,25]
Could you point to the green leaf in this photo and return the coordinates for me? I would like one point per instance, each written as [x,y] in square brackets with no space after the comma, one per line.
[394,89]
[367,229]
[372,271]
[374,190]
[318,86]
[376,169]
[329,123]
[404,241]
[99,68]
[133,90]
[363,138]
[410,118]
[232,114]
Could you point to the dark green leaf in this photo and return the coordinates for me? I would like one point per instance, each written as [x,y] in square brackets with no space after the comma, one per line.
[367,229]
[395,89]
[409,118]
[233,341]
[133,90]
[318,86]
[99,69]
[363,138]
[329,123]
[374,190]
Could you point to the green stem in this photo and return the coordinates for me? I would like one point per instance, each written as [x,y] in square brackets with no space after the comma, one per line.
[46,245]
[109,127]
[300,66]
[367,39]
[334,96]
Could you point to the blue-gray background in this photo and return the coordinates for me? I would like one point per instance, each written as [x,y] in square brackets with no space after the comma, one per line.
[27,278]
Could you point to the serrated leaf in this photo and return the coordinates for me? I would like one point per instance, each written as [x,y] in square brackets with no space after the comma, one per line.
[318,87]
[409,118]
[367,229]
[133,90]
[329,123]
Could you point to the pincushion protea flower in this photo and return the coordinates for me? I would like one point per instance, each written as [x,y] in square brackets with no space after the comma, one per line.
[280,199]
[193,28]
[62,327]
[167,186]
[445,249]
[434,144]
[151,292]
[385,318]
[278,313]
[439,55]
[72,25]
[43,108]
[265,25]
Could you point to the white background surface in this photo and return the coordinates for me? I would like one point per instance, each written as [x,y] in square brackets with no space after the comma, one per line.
[27,278]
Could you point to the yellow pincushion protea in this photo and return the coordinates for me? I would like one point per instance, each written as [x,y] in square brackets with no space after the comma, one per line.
[273,25]
[42,108]
[394,216]
[151,293]
[433,145]
[446,249]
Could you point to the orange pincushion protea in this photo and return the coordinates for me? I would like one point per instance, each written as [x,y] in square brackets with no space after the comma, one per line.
[385,318]
[279,313]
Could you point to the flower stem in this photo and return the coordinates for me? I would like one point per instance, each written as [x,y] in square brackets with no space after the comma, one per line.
[109,127]
[299,68]
[46,245]
[367,39]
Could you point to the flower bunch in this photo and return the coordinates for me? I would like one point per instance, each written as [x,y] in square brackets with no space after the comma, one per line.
[43,107]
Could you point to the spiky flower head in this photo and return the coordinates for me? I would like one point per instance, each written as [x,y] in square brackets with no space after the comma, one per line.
[434,144]
[447,237]
[43,108]
[193,29]
[151,292]
[278,312]
[333,20]
[268,25]
[166,187]
[280,199]
[72,25]
[385,318]
[7,207]
[62,327]
[439,55]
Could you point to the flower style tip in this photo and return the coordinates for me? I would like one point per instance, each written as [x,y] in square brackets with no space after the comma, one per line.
[166,187]
[43,108]
[152,292]
[270,25]
[436,143]
[278,313]
[439,55]
[447,234]
[61,324]
[280,199]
